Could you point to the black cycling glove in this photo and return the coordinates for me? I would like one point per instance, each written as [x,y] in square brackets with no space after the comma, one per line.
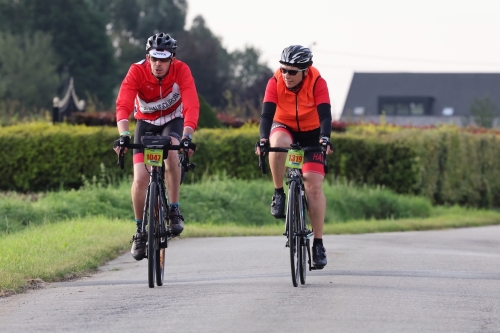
[326,141]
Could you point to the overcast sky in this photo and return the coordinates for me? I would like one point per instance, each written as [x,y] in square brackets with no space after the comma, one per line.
[362,35]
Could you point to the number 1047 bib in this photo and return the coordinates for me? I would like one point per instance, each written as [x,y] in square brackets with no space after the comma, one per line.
[153,157]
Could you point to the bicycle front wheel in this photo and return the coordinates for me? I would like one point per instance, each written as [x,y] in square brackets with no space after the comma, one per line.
[152,223]
[303,240]
[161,237]
[291,220]
[160,266]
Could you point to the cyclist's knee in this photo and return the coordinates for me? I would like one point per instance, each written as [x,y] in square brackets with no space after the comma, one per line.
[280,139]
[141,181]
[172,160]
[313,188]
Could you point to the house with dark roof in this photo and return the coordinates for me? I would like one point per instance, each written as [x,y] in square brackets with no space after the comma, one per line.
[419,98]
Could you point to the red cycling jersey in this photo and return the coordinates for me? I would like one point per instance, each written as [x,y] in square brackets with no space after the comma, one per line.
[158,102]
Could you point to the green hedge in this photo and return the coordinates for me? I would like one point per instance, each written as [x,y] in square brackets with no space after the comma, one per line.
[457,167]
[37,157]
[375,160]
[446,166]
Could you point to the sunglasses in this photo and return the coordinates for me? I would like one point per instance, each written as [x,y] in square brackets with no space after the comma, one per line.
[153,59]
[292,72]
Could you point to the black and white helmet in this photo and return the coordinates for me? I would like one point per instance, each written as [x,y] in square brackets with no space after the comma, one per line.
[296,55]
[161,41]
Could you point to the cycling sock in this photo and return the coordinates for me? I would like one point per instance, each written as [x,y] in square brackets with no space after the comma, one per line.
[317,241]
[173,205]
[279,190]
[139,225]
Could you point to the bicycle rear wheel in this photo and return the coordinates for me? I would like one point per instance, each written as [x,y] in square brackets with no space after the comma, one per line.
[291,220]
[152,239]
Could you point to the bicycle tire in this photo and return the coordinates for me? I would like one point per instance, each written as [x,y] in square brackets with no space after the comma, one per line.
[160,266]
[291,219]
[303,241]
[160,252]
[153,200]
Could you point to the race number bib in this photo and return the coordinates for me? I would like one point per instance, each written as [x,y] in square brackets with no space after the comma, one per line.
[153,157]
[295,159]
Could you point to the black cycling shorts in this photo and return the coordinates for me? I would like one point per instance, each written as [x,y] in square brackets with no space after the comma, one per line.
[313,161]
[173,128]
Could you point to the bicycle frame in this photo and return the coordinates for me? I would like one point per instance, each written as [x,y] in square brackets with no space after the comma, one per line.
[156,200]
[298,236]
[156,176]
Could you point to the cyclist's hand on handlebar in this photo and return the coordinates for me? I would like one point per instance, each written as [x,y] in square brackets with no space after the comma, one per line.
[186,142]
[325,141]
[263,142]
[122,142]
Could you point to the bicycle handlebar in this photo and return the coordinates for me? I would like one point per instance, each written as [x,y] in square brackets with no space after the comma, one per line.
[264,148]
[186,145]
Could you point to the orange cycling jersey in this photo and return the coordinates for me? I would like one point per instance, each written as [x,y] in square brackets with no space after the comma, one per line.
[298,110]
[158,102]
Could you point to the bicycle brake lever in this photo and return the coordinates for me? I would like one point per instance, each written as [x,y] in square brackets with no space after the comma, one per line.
[262,164]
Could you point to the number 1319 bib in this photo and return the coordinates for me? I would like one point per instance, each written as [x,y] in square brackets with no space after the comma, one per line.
[295,159]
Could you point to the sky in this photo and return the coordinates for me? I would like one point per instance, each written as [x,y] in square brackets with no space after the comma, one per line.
[351,36]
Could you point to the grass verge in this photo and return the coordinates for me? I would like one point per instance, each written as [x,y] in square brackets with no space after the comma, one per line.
[58,251]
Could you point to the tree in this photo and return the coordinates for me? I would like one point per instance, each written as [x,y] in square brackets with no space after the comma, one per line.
[208,60]
[208,118]
[130,22]
[248,81]
[97,41]
[28,70]
[483,111]
[78,38]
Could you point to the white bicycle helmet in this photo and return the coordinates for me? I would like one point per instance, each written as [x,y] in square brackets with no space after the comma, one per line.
[296,55]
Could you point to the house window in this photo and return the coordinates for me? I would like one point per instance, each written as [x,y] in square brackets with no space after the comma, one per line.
[448,111]
[405,106]
[359,110]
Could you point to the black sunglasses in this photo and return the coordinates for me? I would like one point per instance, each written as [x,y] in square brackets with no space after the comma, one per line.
[292,72]
[153,59]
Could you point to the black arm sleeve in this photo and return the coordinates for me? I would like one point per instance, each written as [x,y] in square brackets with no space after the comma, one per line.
[325,119]
[266,119]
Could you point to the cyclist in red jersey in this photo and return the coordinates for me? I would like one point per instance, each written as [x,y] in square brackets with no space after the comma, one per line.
[160,90]
[297,109]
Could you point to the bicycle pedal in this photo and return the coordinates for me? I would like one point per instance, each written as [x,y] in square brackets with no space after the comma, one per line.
[316,268]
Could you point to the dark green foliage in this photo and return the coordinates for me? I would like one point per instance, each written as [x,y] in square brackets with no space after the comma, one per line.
[208,118]
[207,59]
[97,41]
[484,111]
[28,72]
[78,37]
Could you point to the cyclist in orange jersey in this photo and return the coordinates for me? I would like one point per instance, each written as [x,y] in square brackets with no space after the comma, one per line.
[297,109]
[160,90]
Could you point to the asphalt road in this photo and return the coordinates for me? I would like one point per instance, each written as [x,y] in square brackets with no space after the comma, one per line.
[433,281]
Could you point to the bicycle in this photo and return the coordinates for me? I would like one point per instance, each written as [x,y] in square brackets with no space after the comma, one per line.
[156,203]
[296,231]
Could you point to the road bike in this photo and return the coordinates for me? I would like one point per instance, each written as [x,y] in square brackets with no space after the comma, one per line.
[297,220]
[155,218]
